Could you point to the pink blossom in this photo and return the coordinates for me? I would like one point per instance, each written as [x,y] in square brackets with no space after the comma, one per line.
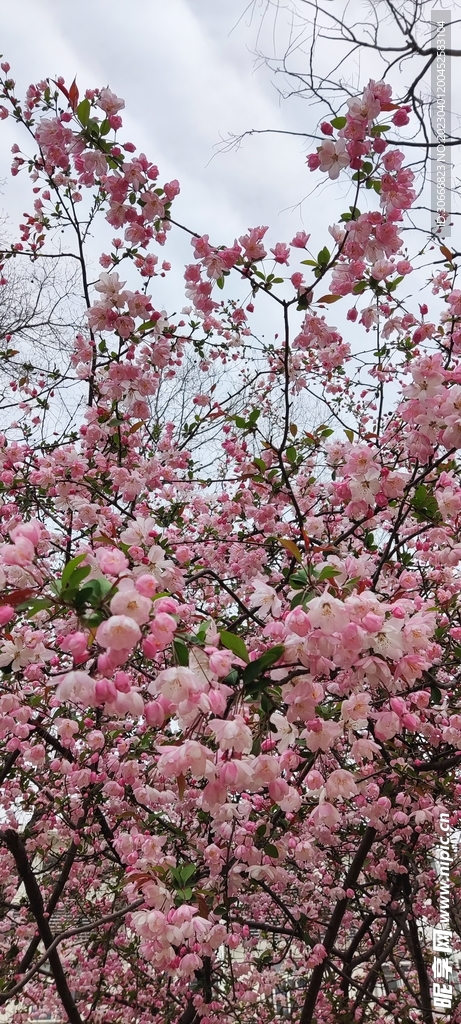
[300,240]
[333,156]
[325,814]
[177,684]
[146,584]
[221,662]
[328,614]
[287,797]
[111,561]
[252,244]
[163,627]
[127,704]
[387,725]
[22,552]
[265,599]
[232,734]
[401,117]
[77,687]
[129,602]
[77,645]
[7,613]
[340,783]
[119,632]
[109,102]
[281,253]
[298,622]
[321,734]
[32,530]
[190,756]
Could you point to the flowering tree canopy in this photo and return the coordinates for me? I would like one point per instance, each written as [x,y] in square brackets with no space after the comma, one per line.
[229,700]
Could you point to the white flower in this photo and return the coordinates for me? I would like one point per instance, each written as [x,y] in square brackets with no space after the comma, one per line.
[19,653]
[137,533]
[265,599]
[286,733]
[333,157]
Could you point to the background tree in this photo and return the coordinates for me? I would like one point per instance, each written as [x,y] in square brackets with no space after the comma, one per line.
[322,52]
[231,721]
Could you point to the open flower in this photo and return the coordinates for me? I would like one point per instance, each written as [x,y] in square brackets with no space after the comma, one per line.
[265,599]
[333,157]
[232,734]
[286,733]
[120,632]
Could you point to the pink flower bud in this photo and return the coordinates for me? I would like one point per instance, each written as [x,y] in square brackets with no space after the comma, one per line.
[32,530]
[298,622]
[398,705]
[167,604]
[106,691]
[122,682]
[154,714]
[163,627]
[371,622]
[146,585]
[151,647]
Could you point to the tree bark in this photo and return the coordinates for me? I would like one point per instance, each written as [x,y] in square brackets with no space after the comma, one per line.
[16,847]
[335,924]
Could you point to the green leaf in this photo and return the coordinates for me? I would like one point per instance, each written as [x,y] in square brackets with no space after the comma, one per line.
[83,112]
[271,850]
[338,123]
[436,695]
[299,579]
[378,128]
[181,652]
[75,580]
[187,871]
[37,606]
[328,573]
[323,257]
[234,643]
[425,503]
[370,541]
[258,667]
[70,568]
[148,325]
[89,594]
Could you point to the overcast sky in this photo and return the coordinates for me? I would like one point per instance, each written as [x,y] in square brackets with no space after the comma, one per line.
[186,71]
